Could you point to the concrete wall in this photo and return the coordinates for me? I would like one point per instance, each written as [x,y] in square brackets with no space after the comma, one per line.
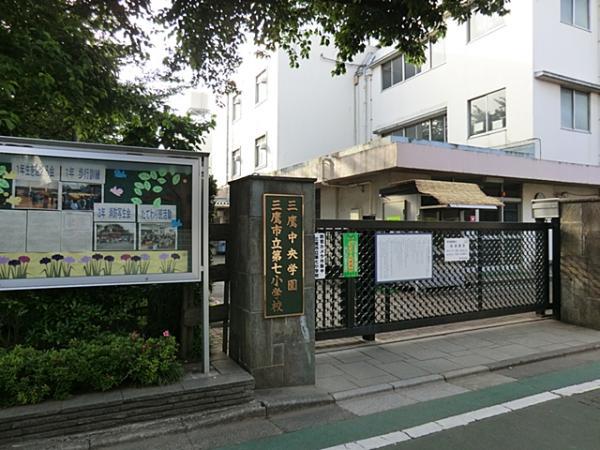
[500,59]
[580,263]
[256,119]
[554,45]
[316,109]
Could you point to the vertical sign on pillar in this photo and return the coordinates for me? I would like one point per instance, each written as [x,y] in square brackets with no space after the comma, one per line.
[283,236]
[350,255]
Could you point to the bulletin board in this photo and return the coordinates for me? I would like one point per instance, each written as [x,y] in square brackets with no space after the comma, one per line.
[88,214]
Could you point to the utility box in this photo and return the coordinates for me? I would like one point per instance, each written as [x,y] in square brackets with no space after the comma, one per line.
[545,208]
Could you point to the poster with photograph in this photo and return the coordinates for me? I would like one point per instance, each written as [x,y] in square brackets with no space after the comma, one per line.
[157,236]
[80,196]
[36,195]
[114,236]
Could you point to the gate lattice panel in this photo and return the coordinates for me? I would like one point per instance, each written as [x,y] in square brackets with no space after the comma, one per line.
[507,272]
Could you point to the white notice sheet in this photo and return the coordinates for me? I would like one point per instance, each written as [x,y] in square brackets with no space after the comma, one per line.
[403,257]
[77,231]
[43,231]
[14,229]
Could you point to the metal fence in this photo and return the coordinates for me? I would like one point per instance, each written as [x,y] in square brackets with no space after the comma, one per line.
[507,272]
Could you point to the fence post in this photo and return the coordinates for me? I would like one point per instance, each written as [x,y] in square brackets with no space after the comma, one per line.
[479,271]
[556,285]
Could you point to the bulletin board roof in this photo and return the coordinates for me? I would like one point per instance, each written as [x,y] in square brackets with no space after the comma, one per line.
[6,142]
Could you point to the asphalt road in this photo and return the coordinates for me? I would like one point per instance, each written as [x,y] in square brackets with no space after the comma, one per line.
[564,423]
[557,424]
[568,423]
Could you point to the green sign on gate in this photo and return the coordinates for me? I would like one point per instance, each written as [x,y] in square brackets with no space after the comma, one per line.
[350,247]
[283,231]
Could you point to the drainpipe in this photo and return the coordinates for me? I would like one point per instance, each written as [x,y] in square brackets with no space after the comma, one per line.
[227,156]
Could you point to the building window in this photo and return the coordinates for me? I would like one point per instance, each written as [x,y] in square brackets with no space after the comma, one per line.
[574,109]
[236,163]
[260,87]
[397,70]
[480,24]
[487,113]
[260,151]
[433,129]
[575,12]
[436,54]
[237,107]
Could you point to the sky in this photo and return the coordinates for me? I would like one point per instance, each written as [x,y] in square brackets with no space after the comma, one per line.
[181,102]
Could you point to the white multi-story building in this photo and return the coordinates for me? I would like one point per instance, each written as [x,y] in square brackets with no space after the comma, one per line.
[525,84]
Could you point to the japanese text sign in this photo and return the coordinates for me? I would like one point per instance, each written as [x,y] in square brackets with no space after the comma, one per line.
[283,254]
[350,246]
[456,249]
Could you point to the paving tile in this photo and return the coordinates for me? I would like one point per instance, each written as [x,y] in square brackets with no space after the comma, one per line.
[349,356]
[364,406]
[335,384]
[379,353]
[471,360]
[403,370]
[431,391]
[383,379]
[515,350]
[361,370]
[327,370]
[437,365]
[423,353]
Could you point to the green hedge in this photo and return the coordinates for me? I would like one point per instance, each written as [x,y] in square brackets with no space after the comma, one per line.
[29,376]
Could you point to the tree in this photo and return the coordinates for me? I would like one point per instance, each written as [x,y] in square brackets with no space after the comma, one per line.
[60,62]
[209,33]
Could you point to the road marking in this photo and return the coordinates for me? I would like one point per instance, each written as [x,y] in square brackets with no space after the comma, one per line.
[466,418]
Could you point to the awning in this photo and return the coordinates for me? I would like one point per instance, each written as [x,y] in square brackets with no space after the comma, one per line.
[447,194]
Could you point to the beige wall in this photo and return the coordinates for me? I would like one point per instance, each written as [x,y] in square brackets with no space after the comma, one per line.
[338,202]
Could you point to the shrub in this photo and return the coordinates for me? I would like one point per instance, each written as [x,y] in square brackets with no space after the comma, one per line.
[29,376]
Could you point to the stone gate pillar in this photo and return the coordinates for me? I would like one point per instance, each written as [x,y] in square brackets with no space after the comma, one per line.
[580,261]
[272,309]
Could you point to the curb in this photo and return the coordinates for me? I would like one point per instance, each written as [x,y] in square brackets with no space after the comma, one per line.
[453,374]
[262,408]
[144,430]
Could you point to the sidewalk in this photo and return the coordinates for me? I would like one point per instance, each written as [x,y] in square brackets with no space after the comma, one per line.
[379,367]
[349,379]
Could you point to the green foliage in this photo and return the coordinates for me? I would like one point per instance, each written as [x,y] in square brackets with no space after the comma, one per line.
[209,33]
[30,376]
[60,63]
[52,318]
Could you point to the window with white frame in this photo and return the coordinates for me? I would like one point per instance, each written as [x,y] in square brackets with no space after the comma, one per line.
[236,112]
[487,113]
[574,109]
[260,87]
[397,70]
[434,129]
[436,53]
[575,12]
[260,151]
[236,162]
[480,24]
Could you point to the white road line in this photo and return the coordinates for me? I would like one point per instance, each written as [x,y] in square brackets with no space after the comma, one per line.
[466,418]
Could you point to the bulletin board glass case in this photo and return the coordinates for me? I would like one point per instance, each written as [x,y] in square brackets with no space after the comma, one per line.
[80,215]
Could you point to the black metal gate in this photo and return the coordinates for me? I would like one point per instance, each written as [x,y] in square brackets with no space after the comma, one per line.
[507,272]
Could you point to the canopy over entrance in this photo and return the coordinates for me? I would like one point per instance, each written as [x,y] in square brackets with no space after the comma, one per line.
[447,194]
